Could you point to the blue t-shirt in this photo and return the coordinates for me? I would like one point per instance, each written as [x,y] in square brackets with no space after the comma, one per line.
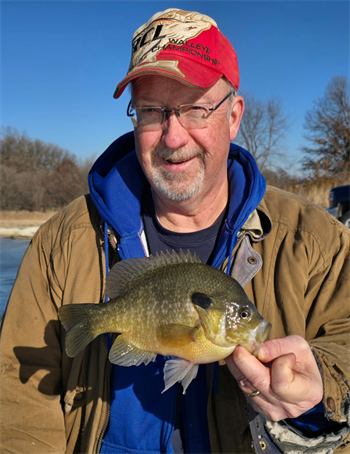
[191,426]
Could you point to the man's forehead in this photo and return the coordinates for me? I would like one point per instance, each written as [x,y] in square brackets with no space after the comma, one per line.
[152,88]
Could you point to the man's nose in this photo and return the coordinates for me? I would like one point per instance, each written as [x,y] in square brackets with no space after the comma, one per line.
[174,134]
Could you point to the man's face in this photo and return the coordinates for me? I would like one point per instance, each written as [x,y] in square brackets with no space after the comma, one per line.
[181,163]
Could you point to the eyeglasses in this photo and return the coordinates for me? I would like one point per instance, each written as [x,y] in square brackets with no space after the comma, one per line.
[191,116]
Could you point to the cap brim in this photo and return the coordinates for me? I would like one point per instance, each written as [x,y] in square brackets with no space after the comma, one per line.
[188,72]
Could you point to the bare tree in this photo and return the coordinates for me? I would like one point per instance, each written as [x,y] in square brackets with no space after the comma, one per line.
[278,177]
[24,153]
[328,124]
[65,182]
[263,129]
[35,175]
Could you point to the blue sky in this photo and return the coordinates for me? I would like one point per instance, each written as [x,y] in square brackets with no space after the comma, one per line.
[61,61]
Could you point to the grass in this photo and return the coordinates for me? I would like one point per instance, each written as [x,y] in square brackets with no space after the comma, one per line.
[24,218]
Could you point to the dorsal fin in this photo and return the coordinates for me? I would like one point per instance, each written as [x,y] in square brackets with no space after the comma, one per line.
[125,272]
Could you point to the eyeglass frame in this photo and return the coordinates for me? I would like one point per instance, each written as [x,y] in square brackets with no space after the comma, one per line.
[176,110]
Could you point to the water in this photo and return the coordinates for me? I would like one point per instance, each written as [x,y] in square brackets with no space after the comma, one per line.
[11,253]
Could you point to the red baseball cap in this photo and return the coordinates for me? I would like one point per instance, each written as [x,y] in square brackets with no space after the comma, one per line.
[185,46]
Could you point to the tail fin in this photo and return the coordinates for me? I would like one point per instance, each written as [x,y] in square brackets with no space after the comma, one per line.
[76,322]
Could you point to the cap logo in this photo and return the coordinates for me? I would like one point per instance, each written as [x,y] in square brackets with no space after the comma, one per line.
[170,30]
[185,46]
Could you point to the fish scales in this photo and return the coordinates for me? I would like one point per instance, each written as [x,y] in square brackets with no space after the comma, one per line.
[157,298]
[171,305]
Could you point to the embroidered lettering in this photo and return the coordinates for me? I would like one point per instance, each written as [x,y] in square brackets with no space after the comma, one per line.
[157,33]
[140,41]
[190,50]
[143,41]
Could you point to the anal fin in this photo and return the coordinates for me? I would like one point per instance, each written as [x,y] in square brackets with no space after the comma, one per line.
[124,353]
[179,370]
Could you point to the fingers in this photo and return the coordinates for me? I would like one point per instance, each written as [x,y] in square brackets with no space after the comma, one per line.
[252,376]
[285,373]
[289,355]
[291,384]
[272,349]
[249,372]
[282,375]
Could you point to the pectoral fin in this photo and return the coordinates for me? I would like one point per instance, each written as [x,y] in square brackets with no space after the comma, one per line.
[179,370]
[124,353]
[177,335]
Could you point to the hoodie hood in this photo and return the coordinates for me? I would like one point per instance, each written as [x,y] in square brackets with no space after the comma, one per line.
[117,182]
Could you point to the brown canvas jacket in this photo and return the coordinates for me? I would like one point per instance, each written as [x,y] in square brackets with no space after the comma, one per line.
[54,404]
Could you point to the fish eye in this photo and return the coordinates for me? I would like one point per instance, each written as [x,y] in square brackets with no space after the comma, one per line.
[244,313]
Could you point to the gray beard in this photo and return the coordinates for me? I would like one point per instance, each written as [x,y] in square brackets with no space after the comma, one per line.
[167,182]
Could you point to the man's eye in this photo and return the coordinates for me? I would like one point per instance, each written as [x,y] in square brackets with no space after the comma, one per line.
[149,112]
[197,112]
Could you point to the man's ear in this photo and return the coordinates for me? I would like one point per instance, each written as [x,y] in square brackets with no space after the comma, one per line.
[236,116]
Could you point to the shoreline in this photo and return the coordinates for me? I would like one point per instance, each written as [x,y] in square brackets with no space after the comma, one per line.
[22,224]
[18,233]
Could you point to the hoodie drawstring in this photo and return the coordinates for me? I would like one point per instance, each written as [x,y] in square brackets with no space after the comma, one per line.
[106,254]
[109,341]
[233,243]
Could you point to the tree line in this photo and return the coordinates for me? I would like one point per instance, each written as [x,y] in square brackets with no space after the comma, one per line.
[38,176]
[35,175]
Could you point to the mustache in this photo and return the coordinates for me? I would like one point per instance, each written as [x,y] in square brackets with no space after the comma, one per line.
[179,154]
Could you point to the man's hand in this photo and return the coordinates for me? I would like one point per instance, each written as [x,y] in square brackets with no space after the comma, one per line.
[289,382]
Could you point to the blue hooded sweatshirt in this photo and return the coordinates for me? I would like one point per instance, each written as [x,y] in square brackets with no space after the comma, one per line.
[142,419]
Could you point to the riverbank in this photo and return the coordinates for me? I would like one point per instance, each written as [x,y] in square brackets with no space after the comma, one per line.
[22,224]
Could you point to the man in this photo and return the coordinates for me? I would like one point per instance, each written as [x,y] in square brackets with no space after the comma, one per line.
[177,183]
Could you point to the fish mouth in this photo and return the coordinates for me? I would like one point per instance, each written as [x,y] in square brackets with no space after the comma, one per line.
[263,330]
[257,338]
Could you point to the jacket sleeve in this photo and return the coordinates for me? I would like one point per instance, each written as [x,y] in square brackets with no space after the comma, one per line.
[32,419]
[325,310]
